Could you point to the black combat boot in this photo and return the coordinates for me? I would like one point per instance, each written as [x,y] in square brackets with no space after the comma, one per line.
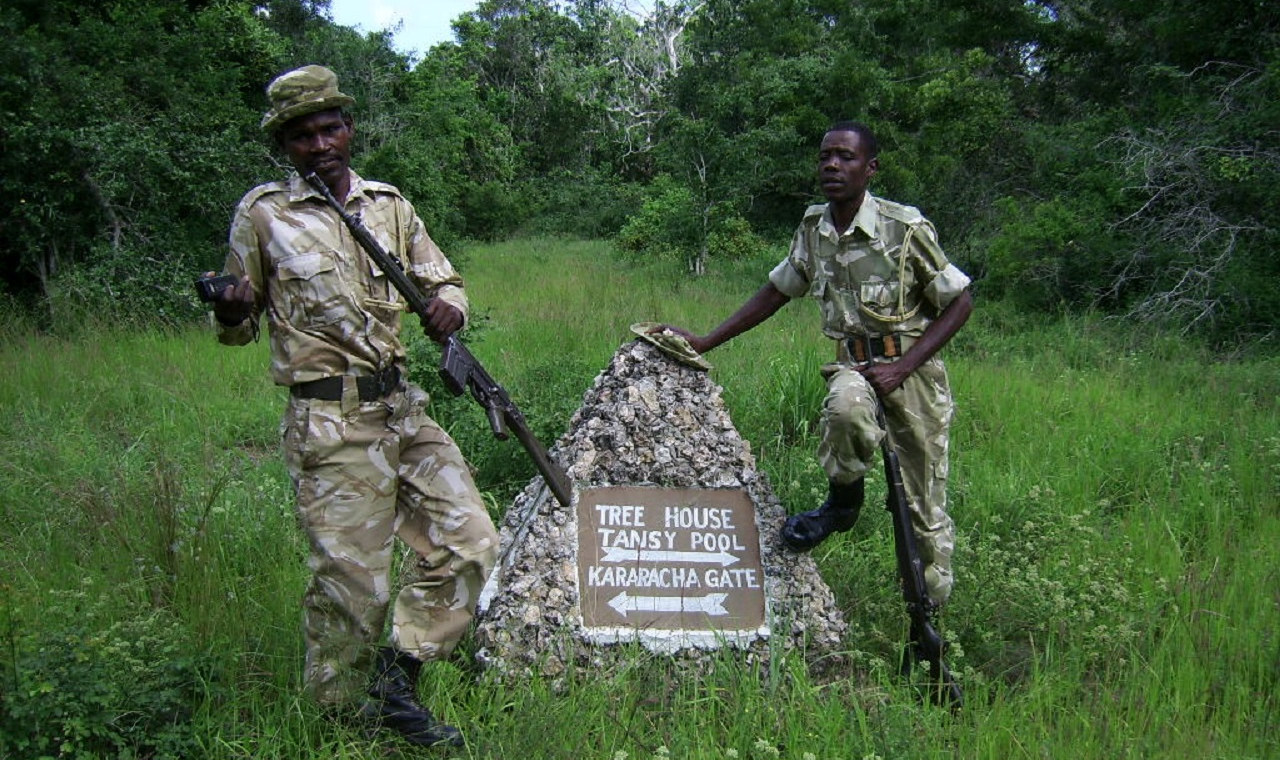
[393,702]
[838,513]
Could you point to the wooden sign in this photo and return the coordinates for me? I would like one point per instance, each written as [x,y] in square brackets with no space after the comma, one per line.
[669,559]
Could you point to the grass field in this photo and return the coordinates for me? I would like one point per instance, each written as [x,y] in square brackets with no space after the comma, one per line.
[1117,499]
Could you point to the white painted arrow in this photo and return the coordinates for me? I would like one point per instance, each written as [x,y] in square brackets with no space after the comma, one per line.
[619,554]
[711,604]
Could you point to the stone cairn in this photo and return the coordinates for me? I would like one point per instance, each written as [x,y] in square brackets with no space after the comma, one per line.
[647,421]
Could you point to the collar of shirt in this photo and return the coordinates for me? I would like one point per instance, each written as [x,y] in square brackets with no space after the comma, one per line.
[299,190]
[865,220]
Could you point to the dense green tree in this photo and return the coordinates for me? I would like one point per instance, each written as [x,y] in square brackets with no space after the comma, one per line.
[1074,153]
[560,82]
[1101,53]
[1153,148]
[740,130]
[763,80]
[450,155]
[536,69]
[123,142]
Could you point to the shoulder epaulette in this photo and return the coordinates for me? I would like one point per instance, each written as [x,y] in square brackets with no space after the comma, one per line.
[375,187]
[901,212]
[257,193]
[817,209]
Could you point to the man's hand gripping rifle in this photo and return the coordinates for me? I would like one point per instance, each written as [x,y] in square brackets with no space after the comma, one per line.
[926,643]
[459,369]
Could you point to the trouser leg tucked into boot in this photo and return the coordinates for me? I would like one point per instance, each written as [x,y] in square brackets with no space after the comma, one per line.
[393,702]
[838,513]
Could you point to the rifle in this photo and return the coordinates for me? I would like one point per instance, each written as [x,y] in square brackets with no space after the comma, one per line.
[459,368]
[925,642]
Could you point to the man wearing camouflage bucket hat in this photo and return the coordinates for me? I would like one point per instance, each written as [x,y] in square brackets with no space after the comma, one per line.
[890,300]
[367,463]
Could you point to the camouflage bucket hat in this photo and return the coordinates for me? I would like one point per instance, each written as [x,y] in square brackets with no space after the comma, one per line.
[300,92]
[671,344]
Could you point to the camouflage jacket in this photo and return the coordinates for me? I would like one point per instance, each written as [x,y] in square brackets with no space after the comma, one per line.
[885,274]
[329,309]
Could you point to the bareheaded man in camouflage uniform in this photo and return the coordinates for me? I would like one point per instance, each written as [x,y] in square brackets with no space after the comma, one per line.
[890,300]
[367,463]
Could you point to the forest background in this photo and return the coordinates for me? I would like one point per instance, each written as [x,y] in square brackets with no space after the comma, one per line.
[1111,155]
[1104,169]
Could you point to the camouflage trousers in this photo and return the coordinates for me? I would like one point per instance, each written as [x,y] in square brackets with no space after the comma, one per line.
[918,416]
[364,474]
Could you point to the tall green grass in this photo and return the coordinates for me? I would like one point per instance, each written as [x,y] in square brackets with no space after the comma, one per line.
[1117,497]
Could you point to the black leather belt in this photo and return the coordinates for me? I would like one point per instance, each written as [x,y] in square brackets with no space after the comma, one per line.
[369,387]
[865,348]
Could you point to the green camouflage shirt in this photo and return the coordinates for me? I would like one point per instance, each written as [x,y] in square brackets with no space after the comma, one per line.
[330,310]
[867,281]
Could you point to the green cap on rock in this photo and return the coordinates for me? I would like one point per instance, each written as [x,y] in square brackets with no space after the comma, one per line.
[301,92]
[670,343]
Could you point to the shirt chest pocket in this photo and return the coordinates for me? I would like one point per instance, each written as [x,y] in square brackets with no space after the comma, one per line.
[881,296]
[312,288]
[885,285]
